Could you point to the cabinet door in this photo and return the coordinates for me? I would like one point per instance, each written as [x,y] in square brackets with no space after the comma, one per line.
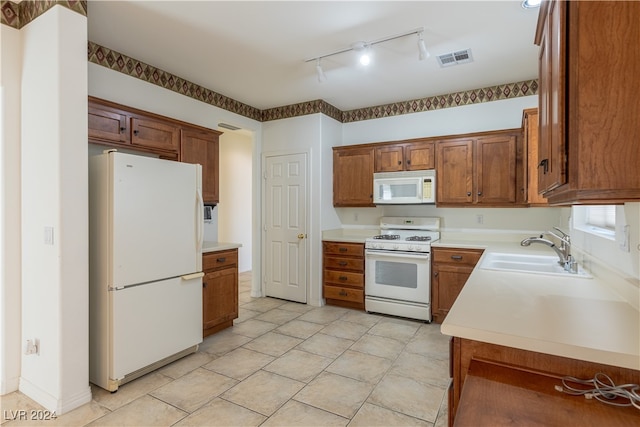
[155,135]
[552,145]
[447,282]
[219,297]
[419,156]
[109,126]
[389,158]
[530,125]
[353,176]
[496,170]
[455,171]
[203,148]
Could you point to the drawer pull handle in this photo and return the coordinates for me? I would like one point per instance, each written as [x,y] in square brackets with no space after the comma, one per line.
[456,257]
[342,249]
[342,263]
[136,132]
[343,278]
[221,259]
[343,293]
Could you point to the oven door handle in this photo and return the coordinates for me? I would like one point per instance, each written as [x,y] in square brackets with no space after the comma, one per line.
[397,254]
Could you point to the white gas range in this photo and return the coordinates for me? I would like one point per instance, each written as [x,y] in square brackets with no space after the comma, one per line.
[398,267]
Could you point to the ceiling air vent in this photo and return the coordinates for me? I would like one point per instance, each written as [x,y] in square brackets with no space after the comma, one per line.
[228,126]
[455,58]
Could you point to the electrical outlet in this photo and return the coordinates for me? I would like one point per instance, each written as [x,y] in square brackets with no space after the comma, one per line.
[48,235]
[355,217]
[623,240]
[480,219]
[31,347]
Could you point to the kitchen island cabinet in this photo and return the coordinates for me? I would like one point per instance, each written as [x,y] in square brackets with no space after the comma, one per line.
[450,269]
[343,274]
[588,101]
[493,385]
[219,290]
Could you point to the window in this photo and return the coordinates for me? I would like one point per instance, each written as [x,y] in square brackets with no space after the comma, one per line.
[597,219]
[602,216]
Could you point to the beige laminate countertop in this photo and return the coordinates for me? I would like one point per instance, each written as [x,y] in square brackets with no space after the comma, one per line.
[209,246]
[349,235]
[579,318]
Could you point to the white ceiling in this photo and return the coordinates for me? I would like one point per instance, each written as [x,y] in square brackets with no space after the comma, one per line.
[255,51]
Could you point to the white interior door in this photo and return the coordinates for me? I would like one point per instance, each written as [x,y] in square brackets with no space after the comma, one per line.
[286,227]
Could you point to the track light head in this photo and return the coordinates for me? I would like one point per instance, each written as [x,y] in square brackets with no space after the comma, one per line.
[321,76]
[363,49]
[423,53]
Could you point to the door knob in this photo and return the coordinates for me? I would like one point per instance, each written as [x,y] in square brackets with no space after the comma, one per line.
[301,236]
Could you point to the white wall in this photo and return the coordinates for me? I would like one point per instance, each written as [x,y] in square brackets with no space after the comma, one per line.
[303,135]
[620,268]
[235,207]
[503,114]
[54,194]
[10,239]
[117,87]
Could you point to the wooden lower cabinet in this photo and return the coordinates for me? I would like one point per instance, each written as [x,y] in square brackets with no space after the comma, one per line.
[343,274]
[497,385]
[450,269]
[219,290]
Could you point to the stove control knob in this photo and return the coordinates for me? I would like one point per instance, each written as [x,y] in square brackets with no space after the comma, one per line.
[395,247]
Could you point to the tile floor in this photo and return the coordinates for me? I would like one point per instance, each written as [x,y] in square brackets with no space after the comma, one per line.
[284,364]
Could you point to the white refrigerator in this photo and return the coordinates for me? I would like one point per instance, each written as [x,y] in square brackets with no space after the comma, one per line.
[145,251]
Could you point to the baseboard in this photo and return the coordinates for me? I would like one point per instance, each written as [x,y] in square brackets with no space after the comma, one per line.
[51,403]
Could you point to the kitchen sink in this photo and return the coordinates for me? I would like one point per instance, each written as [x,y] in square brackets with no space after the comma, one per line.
[525,263]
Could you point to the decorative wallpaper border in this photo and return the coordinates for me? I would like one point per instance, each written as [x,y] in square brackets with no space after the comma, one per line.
[119,62]
[17,15]
[438,102]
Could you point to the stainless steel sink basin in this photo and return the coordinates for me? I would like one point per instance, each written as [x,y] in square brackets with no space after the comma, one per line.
[525,263]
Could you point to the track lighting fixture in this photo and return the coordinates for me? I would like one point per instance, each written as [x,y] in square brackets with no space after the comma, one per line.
[423,53]
[364,48]
[321,76]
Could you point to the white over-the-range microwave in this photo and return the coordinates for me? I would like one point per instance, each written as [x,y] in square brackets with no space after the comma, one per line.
[405,187]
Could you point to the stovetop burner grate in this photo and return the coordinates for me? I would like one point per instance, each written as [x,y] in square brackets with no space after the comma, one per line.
[387,237]
[419,238]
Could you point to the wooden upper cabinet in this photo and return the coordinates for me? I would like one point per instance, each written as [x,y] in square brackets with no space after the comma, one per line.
[155,134]
[353,176]
[552,140]
[588,101]
[496,170]
[417,155]
[530,132]
[420,155]
[203,148]
[454,171]
[483,170]
[108,125]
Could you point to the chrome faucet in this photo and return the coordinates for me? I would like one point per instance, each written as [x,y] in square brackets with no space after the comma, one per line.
[566,260]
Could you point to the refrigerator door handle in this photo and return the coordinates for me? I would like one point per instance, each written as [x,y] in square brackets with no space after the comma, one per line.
[199,221]
[192,276]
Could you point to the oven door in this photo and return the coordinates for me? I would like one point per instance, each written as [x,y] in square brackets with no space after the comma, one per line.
[403,276]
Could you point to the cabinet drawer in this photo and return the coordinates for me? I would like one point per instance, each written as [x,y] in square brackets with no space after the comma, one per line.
[355,264]
[339,248]
[344,294]
[216,260]
[457,256]
[344,278]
